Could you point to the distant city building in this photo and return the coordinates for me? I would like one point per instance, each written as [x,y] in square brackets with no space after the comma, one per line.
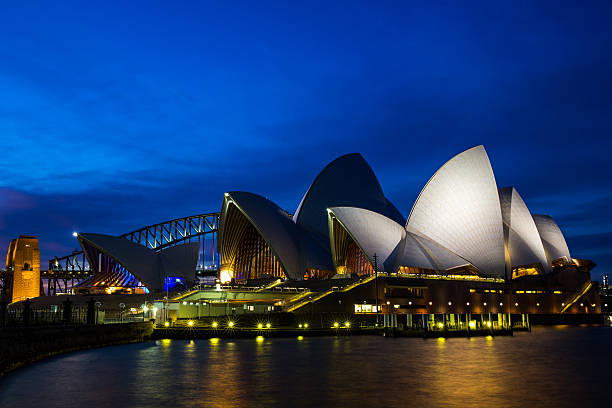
[23,263]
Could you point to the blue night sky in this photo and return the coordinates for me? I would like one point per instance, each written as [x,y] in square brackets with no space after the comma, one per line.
[116,116]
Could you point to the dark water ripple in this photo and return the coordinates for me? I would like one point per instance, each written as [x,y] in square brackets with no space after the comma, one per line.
[562,366]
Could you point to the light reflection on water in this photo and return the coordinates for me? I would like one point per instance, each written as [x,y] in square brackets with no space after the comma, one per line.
[548,367]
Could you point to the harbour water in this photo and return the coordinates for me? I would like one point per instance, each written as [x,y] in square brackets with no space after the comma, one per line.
[558,366]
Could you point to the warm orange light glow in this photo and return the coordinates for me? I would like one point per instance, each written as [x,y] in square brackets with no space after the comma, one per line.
[225,276]
[518,272]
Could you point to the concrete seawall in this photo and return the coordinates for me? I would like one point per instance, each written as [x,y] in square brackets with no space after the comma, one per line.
[20,346]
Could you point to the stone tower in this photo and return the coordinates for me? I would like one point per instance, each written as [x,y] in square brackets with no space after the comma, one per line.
[23,259]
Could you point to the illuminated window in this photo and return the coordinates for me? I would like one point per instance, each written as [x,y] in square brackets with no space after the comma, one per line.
[524,271]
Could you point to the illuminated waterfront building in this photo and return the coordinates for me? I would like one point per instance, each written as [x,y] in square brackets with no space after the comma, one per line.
[461,224]
[466,246]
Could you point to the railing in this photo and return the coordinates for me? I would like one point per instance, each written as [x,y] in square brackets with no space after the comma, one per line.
[54,314]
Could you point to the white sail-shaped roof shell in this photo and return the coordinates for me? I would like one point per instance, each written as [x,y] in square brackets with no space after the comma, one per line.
[148,266]
[347,181]
[393,244]
[552,238]
[420,251]
[274,225]
[294,247]
[373,232]
[521,234]
[140,261]
[459,209]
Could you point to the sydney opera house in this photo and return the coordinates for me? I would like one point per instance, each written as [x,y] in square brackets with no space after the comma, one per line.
[466,243]
[123,264]
[461,224]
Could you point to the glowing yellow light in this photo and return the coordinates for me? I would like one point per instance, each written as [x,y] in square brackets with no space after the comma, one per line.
[268,325]
[336,324]
[214,340]
[472,324]
[259,339]
[225,276]
[440,325]
[306,324]
[300,338]
[190,323]
[300,326]
[231,324]
[347,324]
[167,324]
[214,325]
[259,326]
[489,323]
[166,342]
[489,338]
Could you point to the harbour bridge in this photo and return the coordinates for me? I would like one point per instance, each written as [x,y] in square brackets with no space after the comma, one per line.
[67,271]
